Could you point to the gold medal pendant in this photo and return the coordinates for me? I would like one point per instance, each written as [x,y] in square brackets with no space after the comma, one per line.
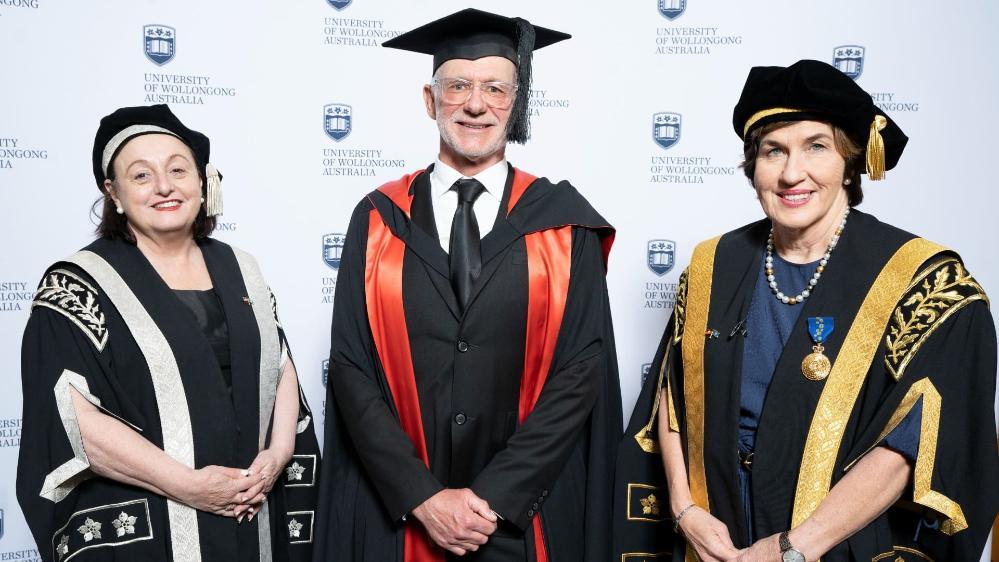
[816,365]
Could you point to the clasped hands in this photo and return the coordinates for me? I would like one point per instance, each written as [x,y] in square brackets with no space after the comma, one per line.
[235,492]
[710,539]
[457,520]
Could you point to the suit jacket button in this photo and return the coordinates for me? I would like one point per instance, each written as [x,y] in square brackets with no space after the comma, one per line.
[460,418]
[462,346]
[534,505]
[530,513]
[544,493]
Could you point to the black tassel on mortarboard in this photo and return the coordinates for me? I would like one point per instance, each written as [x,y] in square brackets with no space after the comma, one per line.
[519,129]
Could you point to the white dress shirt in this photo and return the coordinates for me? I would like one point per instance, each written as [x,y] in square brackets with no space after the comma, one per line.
[445,200]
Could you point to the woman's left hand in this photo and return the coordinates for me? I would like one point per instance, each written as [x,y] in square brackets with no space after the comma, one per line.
[763,550]
[267,467]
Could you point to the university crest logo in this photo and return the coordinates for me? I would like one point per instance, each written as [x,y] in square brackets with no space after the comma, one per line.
[160,43]
[849,59]
[666,129]
[661,256]
[332,248]
[339,4]
[326,371]
[672,9]
[337,120]
[645,372]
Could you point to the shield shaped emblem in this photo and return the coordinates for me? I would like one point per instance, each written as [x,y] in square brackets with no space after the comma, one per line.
[849,59]
[660,256]
[645,372]
[160,43]
[666,129]
[672,9]
[339,4]
[332,248]
[326,370]
[337,120]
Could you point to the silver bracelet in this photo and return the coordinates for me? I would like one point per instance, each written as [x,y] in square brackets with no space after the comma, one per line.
[676,522]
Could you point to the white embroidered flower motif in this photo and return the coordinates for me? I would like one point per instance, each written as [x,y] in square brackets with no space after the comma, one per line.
[63,547]
[295,471]
[295,529]
[90,530]
[124,524]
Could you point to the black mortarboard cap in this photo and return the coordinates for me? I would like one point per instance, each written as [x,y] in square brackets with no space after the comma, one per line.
[814,90]
[473,34]
[126,123]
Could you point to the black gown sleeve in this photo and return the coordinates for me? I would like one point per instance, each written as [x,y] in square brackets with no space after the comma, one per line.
[401,478]
[523,472]
[63,348]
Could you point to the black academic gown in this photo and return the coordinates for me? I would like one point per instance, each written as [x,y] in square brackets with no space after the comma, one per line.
[83,334]
[935,350]
[467,368]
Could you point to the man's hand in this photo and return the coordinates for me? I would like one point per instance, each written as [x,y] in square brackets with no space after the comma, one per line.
[457,520]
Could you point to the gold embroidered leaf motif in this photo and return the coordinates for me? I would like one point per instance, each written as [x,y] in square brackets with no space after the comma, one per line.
[650,505]
[924,307]
[69,295]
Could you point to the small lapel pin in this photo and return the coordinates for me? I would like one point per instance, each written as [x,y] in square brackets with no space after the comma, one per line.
[248,301]
[711,334]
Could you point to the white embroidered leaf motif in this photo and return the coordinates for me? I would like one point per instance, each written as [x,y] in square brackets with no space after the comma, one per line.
[75,300]
[295,471]
[294,529]
[90,530]
[124,524]
[63,546]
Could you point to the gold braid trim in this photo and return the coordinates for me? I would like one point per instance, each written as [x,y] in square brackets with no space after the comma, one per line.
[936,294]
[700,273]
[680,308]
[755,118]
[644,436]
[832,413]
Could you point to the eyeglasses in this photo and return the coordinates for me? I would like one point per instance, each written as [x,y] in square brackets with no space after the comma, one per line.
[456,91]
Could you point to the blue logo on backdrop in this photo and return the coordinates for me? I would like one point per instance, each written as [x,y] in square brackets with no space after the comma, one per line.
[645,372]
[337,120]
[1,523]
[660,256]
[672,9]
[849,59]
[339,4]
[326,370]
[332,248]
[160,43]
[666,129]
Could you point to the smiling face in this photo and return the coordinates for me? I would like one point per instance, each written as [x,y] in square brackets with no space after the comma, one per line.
[799,178]
[157,185]
[473,135]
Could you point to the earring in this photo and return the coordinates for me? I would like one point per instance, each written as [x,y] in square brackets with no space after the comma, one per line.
[847,181]
[202,200]
[119,210]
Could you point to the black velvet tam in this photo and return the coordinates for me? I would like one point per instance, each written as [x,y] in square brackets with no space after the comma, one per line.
[127,123]
[811,90]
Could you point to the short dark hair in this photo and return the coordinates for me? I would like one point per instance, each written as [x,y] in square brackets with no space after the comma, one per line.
[115,227]
[847,148]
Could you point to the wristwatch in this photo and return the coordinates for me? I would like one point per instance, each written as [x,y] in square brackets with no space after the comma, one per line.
[787,552]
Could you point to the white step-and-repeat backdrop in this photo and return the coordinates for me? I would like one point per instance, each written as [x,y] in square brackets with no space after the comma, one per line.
[307,113]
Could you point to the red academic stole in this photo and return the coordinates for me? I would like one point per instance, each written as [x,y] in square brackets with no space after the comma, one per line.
[548,262]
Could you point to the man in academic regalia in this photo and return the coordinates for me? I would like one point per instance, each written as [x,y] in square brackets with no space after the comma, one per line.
[474,406]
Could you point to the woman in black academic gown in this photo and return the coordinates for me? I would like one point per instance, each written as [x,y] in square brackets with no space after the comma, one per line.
[160,399]
[826,382]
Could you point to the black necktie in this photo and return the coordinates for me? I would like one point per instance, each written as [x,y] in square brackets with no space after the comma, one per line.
[465,252]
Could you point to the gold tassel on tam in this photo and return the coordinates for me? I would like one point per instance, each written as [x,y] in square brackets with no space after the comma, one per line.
[213,193]
[876,149]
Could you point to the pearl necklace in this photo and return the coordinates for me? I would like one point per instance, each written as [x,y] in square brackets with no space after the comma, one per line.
[818,271]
